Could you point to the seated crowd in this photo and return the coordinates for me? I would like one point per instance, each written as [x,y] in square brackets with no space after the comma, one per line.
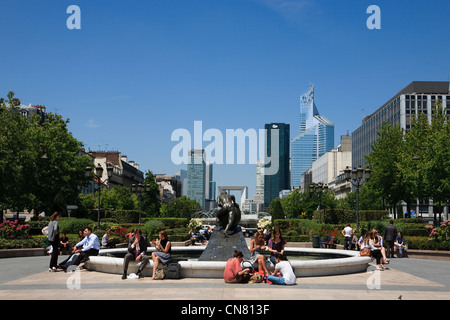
[370,244]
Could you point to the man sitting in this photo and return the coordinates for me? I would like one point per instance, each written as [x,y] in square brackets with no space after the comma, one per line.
[137,249]
[90,246]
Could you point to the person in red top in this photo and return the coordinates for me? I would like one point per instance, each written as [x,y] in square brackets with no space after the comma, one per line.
[233,271]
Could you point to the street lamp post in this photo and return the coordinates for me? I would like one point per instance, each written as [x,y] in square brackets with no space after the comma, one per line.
[318,188]
[357,177]
[98,176]
[139,190]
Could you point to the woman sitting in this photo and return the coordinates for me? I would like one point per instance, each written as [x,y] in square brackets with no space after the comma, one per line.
[233,272]
[163,251]
[276,245]
[257,247]
[368,243]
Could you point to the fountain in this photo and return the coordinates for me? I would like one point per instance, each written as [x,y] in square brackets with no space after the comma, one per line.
[209,261]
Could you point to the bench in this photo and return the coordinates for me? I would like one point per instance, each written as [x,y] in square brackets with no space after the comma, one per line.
[330,244]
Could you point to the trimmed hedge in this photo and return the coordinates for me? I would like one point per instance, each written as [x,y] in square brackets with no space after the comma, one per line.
[423,243]
[338,216]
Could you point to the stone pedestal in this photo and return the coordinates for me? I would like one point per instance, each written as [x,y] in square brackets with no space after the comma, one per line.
[221,248]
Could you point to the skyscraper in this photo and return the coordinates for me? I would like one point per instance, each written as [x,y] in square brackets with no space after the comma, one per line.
[196,176]
[276,180]
[315,139]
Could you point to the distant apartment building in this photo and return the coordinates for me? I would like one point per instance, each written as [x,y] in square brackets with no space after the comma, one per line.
[125,173]
[30,111]
[259,194]
[169,187]
[331,164]
[182,177]
[315,138]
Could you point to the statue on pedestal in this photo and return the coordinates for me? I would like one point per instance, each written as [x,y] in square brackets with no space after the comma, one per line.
[229,214]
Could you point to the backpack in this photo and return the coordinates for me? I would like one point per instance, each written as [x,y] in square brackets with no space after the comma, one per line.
[173,270]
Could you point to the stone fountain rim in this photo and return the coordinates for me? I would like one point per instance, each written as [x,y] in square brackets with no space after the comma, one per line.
[352,263]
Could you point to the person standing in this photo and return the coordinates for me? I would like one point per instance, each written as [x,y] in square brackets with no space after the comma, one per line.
[390,233]
[53,238]
[137,249]
[347,232]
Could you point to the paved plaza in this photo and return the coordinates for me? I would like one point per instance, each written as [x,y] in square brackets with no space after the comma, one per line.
[27,278]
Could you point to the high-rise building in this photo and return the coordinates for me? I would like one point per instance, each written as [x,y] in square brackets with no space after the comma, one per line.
[276,180]
[316,137]
[417,97]
[196,176]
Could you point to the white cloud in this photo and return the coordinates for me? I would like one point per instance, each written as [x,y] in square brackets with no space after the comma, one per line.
[92,124]
[289,9]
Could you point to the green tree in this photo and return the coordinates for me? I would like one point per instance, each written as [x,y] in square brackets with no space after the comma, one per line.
[38,160]
[151,203]
[182,207]
[276,209]
[384,162]
[435,161]
[118,198]
[57,166]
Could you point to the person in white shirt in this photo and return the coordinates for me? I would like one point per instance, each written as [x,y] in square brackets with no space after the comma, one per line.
[375,252]
[347,232]
[90,246]
[284,267]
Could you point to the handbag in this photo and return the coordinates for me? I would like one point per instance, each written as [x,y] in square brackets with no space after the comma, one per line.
[160,274]
[365,253]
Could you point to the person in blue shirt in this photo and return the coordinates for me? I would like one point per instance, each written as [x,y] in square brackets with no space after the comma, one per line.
[90,246]
[400,244]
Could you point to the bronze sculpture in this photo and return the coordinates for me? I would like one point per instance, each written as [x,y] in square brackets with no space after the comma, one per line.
[229,214]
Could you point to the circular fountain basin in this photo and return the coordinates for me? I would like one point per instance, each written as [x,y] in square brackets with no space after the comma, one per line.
[318,262]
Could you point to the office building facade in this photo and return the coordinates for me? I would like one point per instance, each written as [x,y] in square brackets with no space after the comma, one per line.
[417,97]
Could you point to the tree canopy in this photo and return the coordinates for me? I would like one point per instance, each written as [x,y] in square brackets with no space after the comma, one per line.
[38,160]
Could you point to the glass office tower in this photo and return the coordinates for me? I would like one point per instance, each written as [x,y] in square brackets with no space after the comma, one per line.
[315,139]
[196,176]
[276,180]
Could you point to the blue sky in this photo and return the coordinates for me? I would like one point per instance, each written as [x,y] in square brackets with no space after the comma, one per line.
[138,70]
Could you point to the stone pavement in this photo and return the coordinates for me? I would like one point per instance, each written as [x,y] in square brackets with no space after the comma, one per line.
[27,278]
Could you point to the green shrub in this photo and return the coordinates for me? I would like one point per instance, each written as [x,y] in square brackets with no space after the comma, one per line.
[73,225]
[423,243]
[342,216]
[21,243]
[152,226]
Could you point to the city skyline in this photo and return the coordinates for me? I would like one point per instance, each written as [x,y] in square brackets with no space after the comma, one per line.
[132,75]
